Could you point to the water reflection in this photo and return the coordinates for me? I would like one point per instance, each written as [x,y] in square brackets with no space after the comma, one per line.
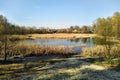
[99,41]
[77,49]
[78,43]
[84,40]
[75,40]
[103,41]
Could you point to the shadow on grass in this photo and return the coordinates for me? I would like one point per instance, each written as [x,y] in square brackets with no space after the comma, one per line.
[59,69]
[33,59]
[117,68]
[77,70]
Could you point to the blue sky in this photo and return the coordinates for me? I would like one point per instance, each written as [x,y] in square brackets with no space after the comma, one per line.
[57,13]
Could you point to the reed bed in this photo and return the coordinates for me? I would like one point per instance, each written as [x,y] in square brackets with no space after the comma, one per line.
[101,51]
[25,49]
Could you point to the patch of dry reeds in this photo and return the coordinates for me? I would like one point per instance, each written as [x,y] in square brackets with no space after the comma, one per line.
[100,51]
[24,49]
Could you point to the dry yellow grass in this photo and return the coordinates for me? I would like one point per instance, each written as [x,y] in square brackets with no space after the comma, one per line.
[60,35]
[101,51]
[26,49]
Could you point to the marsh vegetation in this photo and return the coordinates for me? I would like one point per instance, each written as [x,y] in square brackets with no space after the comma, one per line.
[72,53]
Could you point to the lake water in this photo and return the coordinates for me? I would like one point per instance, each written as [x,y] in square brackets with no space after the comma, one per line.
[78,43]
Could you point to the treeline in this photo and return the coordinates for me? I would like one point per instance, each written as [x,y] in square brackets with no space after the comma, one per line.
[9,28]
[109,26]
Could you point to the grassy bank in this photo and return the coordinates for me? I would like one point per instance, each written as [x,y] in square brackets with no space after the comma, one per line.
[61,35]
[50,36]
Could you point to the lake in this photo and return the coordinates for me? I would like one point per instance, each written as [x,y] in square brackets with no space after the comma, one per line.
[78,43]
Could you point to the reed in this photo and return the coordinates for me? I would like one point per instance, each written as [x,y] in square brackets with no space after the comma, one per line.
[24,49]
[101,51]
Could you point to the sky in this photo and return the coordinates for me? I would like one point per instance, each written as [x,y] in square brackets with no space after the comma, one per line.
[57,13]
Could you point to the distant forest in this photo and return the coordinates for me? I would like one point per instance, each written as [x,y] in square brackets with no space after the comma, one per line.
[109,26]
[16,29]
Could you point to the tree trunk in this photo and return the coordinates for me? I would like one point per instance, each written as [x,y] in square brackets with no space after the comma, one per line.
[5,48]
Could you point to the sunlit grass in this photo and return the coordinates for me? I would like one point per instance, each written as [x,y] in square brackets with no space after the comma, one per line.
[62,35]
[70,69]
[74,70]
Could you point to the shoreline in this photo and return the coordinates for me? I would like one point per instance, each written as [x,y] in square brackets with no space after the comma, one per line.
[59,36]
[50,36]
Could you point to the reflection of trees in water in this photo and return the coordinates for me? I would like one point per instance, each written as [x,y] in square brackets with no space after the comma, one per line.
[103,41]
[84,40]
[98,41]
[75,40]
